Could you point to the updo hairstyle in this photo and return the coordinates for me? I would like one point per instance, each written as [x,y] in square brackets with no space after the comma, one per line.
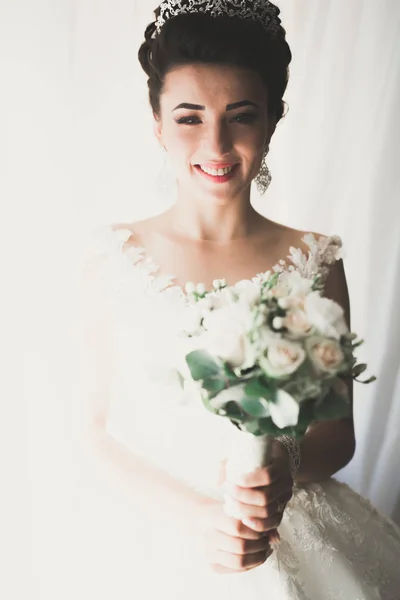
[200,38]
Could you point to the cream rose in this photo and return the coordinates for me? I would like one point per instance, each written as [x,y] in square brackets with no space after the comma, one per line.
[298,324]
[326,355]
[281,358]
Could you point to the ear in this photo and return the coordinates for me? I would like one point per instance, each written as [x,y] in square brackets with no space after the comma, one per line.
[157,128]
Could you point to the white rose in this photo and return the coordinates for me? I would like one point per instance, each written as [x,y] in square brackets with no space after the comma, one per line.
[282,358]
[226,335]
[298,324]
[326,315]
[326,355]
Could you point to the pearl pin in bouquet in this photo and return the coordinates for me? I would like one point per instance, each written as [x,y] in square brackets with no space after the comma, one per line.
[270,355]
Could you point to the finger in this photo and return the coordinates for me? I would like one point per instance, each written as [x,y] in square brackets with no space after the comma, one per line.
[258,478]
[264,525]
[250,511]
[261,496]
[236,545]
[217,568]
[241,562]
[237,528]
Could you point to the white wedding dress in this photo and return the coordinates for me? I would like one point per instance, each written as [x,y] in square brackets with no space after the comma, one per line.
[334,543]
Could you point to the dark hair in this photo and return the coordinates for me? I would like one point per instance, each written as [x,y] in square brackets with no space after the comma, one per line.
[200,38]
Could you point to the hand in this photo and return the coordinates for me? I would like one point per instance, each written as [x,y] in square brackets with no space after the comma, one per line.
[229,545]
[261,496]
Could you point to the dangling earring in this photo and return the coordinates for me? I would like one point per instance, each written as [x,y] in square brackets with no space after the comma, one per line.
[264,177]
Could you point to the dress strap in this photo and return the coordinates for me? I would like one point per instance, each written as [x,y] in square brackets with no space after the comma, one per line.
[322,254]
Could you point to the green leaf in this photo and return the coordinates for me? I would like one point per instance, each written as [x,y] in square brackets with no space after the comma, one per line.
[255,407]
[228,371]
[358,369]
[357,344]
[257,389]
[370,380]
[202,365]
[214,386]
[306,414]
[268,426]
[333,407]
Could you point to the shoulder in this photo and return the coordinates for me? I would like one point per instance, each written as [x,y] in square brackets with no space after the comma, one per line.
[137,232]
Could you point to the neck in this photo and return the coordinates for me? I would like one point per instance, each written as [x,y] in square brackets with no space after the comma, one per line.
[221,222]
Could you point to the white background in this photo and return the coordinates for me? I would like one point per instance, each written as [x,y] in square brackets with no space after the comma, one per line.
[77,151]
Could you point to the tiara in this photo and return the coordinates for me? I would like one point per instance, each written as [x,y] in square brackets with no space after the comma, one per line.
[260,10]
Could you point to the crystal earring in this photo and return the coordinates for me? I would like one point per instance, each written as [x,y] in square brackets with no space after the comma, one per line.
[264,177]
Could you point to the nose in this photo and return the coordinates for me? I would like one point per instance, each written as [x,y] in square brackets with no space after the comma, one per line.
[218,140]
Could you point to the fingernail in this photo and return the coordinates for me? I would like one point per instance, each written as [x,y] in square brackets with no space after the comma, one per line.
[248,522]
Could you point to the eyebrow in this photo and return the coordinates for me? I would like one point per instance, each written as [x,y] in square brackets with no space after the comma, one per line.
[229,106]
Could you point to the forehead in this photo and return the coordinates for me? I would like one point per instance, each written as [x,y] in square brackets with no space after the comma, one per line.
[212,85]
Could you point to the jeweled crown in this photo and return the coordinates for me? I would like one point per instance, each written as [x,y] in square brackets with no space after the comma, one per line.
[256,10]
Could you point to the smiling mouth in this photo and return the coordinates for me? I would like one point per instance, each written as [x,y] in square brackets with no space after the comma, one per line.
[217,171]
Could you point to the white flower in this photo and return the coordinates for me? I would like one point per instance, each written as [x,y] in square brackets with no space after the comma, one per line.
[277,322]
[219,283]
[190,287]
[191,319]
[326,355]
[227,335]
[200,288]
[234,393]
[326,315]
[284,410]
[249,291]
[281,358]
[298,324]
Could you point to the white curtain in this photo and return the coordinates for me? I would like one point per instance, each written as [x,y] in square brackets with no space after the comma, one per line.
[79,152]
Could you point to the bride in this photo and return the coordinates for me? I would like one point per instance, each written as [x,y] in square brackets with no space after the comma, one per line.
[217,72]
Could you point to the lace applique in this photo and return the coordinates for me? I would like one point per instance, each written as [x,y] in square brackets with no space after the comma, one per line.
[322,514]
[322,254]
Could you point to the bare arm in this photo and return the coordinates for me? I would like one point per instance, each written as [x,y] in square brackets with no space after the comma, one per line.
[151,492]
[108,463]
[329,446]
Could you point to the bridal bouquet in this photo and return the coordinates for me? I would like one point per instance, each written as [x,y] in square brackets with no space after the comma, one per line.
[270,353]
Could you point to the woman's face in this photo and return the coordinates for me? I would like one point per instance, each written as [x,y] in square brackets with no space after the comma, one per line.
[214,117]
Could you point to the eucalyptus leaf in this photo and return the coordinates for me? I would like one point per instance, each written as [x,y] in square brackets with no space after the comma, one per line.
[370,380]
[202,365]
[268,426]
[214,386]
[256,388]
[255,407]
[358,369]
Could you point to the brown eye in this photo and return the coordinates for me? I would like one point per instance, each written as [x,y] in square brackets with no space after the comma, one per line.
[245,118]
[187,120]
